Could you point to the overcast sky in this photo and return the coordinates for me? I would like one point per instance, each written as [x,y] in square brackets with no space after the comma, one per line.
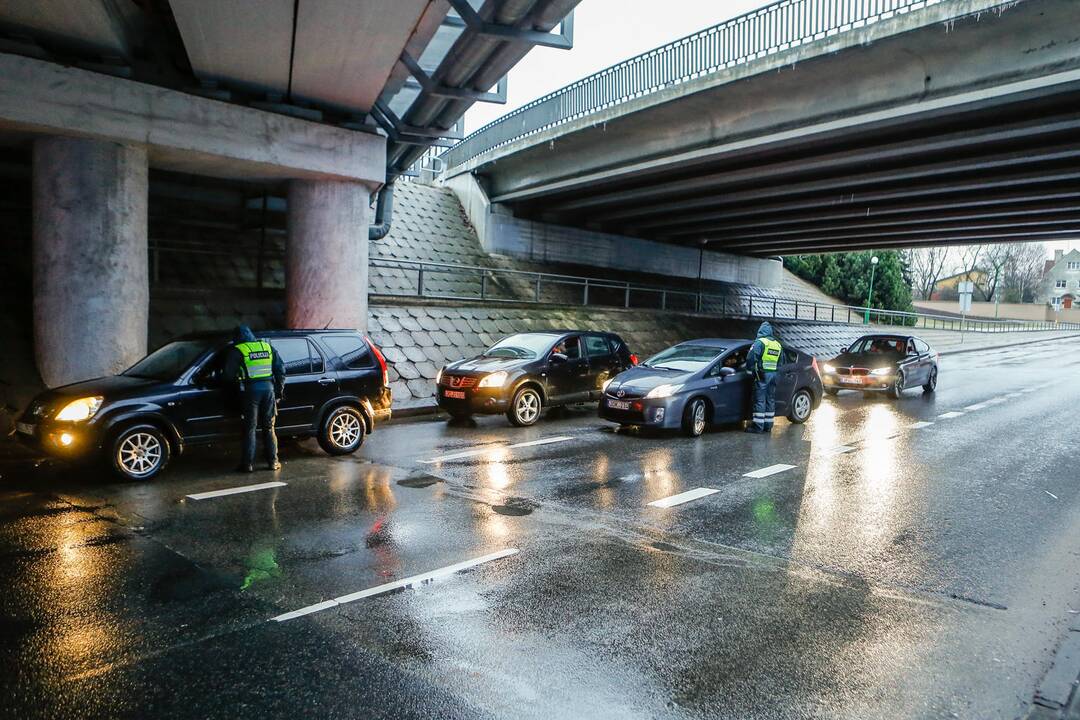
[606,32]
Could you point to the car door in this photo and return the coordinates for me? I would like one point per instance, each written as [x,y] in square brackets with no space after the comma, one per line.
[307,382]
[568,380]
[209,407]
[730,395]
[915,366]
[787,375]
[603,363]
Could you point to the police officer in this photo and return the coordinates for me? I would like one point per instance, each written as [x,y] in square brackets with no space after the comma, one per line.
[763,360]
[260,373]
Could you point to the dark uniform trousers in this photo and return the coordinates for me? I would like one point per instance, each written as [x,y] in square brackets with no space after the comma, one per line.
[260,411]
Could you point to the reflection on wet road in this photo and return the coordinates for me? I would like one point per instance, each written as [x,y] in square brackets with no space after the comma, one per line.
[891,559]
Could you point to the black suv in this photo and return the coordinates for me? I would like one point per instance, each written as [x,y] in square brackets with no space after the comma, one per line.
[524,373]
[335,388]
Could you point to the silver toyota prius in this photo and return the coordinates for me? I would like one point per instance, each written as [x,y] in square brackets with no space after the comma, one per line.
[697,383]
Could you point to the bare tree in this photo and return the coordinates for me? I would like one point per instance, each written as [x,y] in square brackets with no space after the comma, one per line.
[1023,272]
[993,261]
[926,266]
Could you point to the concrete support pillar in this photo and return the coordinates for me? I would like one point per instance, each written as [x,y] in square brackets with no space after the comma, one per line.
[326,257]
[91,287]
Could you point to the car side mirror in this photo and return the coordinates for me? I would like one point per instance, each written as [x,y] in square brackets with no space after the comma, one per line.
[843,350]
[558,358]
[726,372]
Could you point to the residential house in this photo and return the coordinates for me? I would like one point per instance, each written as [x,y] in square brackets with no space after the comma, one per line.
[1060,286]
[947,287]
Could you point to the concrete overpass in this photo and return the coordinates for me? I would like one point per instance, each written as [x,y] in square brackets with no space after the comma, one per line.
[324,101]
[809,126]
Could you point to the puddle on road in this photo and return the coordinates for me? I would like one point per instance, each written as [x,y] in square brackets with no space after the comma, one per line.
[419,481]
[516,507]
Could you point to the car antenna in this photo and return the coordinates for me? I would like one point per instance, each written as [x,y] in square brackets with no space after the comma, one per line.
[327,325]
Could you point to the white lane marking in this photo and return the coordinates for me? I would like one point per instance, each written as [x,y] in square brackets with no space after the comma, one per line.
[995,401]
[919,425]
[976,406]
[463,454]
[838,450]
[771,470]
[684,497]
[397,584]
[1014,394]
[543,441]
[1051,494]
[946,416]
[235,490]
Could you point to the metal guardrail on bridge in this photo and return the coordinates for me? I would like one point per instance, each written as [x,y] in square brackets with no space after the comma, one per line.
[774,28]
[448,281]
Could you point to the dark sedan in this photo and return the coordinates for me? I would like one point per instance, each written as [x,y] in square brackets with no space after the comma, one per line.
[522,374]
[701,382]
[883,364]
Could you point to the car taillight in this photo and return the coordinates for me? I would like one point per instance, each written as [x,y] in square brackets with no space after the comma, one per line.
[381,359]
[813,364]
[633,359]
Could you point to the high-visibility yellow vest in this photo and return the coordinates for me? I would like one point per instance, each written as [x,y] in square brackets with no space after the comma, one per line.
[258,359]
[770,355]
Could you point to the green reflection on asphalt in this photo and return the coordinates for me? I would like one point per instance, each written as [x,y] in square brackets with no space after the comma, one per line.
[261,566]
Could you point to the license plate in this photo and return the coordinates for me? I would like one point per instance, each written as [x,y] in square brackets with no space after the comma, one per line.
[25,428]
[851,381]
[618,404]
[455,394]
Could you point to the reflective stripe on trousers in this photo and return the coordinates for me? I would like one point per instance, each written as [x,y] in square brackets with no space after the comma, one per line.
[765,401]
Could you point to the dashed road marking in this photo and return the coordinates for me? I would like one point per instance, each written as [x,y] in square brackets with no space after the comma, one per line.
[543,441]
[837,450]
[996,400]
[396,585]
[948,415]
[976,406]
[235,490]
[920,425]
[1014,394]
[684,497]
[767,471]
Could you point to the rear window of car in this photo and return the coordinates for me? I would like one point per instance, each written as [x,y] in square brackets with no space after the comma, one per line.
[352,350]
[598,346]
[921,346]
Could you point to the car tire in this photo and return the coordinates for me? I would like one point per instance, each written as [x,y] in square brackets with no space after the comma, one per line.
[801,407]
[931,382]
[896,391]
[342,431]
[695,418]
[525,408]
[139,453]
[832,392]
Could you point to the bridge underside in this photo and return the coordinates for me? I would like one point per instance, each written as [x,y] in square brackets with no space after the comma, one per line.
[938,135]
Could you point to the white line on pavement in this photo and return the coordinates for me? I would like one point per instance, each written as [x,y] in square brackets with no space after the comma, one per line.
[235,490]
[919,425]
[543,441]
[838,450]
[397,584]
[976,406]
[946,416]
[771,470]
[995,401]
[683,497]
[1014,394]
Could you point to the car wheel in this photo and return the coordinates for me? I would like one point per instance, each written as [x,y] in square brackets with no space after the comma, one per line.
[342,431]
[802,406]
[140,453]
[525,407]
[694,423]
[931,383]
[897,389]
[832,392]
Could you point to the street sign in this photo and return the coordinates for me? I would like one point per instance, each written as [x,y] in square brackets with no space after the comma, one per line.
[965,288]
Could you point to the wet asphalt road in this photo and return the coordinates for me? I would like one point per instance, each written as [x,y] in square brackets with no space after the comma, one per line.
[894,571]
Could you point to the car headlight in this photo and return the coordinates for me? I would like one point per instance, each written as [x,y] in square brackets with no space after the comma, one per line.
[81,409]
[604,387]
[829,368]
[882,371]
[495,379]
[663,391]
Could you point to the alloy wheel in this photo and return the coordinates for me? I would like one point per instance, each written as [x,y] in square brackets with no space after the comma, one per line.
[801,406]
[528,406]
[699,417]
[345,430]
[139,454]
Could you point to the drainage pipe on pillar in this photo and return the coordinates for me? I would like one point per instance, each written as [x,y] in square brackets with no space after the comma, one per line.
[384,213]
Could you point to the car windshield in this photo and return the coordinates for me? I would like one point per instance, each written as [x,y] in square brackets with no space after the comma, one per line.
[168,361]
[878,345]
[524,346]
[684,358]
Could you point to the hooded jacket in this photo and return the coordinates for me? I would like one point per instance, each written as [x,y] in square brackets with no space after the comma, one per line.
[234,362]
[753,358]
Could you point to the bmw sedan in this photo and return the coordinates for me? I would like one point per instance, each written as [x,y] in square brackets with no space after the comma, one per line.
[883,364]
[701,382]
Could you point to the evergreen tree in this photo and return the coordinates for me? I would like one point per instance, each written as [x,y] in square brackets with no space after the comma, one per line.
[846,276]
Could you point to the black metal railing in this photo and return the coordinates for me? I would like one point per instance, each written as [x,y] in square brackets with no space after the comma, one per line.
[774,28]
[449,281]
